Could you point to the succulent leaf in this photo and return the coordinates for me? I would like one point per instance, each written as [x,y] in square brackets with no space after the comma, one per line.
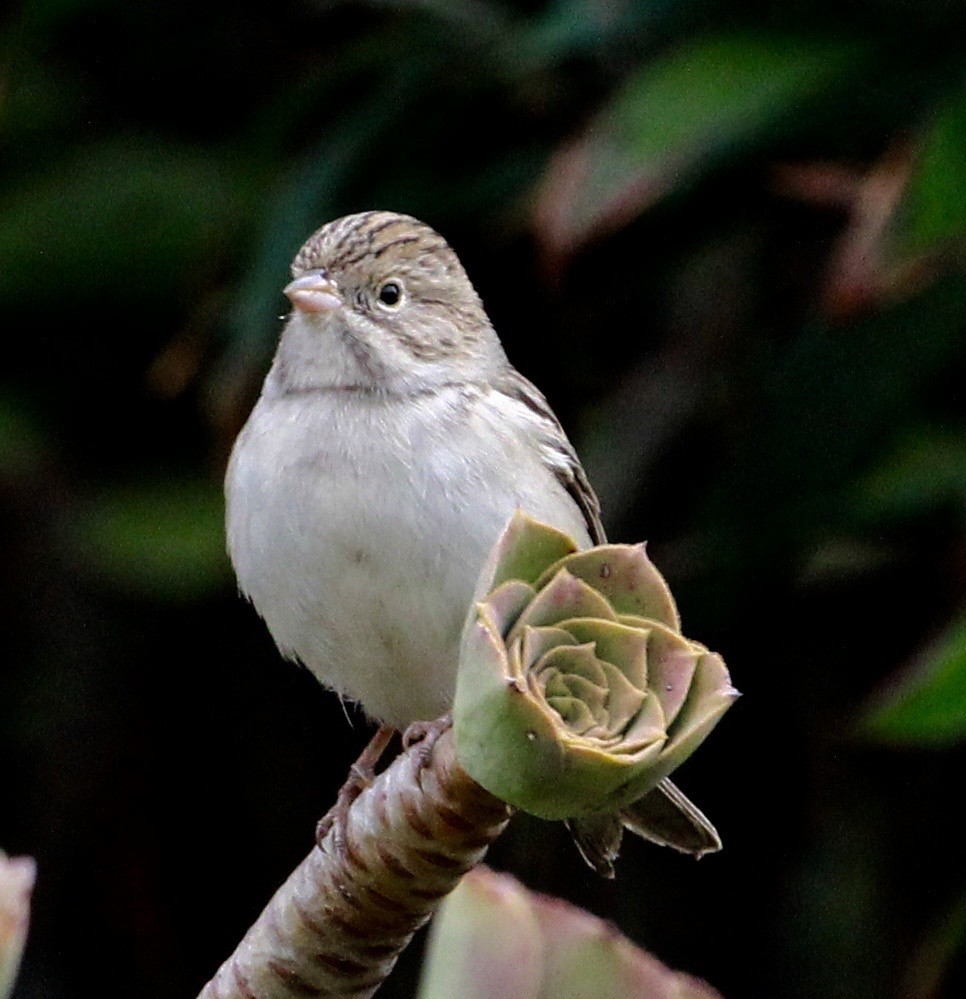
[627,578]
[526,547]
[17,876]
[537,641]
[493,937]
[616,643]
[672,662]
[577,693]
[563,597]
[507,601]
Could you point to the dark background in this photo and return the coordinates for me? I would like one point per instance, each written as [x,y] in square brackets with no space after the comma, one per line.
[726,239]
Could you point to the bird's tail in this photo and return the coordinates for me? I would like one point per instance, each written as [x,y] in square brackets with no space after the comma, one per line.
[665,816]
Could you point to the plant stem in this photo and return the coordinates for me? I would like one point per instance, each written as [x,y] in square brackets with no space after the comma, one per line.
[338,924]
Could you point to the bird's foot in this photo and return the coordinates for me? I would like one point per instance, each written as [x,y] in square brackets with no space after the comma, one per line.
[425,734]
[361,775]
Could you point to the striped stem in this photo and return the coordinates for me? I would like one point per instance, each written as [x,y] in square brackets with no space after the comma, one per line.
[338,924]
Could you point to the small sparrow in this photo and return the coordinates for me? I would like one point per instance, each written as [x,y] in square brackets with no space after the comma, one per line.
[391,444]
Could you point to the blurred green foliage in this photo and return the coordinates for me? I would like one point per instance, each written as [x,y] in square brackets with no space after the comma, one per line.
[165,539]
[928,707]
[935,189]
[682,111]
[727,240]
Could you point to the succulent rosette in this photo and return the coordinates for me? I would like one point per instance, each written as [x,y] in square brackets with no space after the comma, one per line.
[577,692]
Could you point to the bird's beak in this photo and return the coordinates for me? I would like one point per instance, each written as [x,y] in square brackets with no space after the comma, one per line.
[314,292]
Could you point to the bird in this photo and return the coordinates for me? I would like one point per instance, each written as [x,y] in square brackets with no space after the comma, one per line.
[391,443]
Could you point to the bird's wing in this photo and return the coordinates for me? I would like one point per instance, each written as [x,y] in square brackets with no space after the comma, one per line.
[560,453]
[665,816]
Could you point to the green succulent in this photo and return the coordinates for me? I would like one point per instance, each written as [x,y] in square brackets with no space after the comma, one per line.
[577,693]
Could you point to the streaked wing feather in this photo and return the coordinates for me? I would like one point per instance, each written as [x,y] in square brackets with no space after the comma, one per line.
[598,838]
[566,465]
[666,816]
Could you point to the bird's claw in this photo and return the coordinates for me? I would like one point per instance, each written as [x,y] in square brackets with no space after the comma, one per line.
[361,775]
[337,816]
[425,735]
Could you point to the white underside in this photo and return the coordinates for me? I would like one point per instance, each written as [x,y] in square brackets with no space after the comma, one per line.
[362,559]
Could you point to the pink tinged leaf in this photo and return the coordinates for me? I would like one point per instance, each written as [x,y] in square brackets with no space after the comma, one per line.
[647,731]
[624,699]
[628,579]
[592,694]
[537,641]
[710,697]
[493,937]
[672,117]
[17,876]
[485,942]
[671,664]
[564,597]
[505,603]
[574,713]
[517,671]
[578,660]
[689,987]
[523,551]
[711,687]
[483,655]
[585,956]
[617,643]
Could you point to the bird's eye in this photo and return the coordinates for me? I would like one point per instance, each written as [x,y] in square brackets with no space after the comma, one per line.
[390,294]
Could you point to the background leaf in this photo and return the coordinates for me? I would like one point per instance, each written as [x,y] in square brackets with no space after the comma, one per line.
[675,115]
[928,704]
[165,539]
[485,941]
[936,214]
[493,937]
[155,212]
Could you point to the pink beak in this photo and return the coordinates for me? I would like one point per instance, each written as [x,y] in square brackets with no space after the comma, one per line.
[314,292]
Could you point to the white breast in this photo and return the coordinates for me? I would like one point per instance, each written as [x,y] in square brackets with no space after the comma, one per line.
[358,529]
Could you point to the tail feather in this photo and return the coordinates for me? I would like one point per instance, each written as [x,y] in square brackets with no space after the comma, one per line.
[668,817]
[665,816]
[598,838]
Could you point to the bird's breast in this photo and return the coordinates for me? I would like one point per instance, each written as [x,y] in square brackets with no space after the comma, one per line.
[358,532]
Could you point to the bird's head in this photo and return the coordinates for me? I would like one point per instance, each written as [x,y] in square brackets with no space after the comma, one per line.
[380,300]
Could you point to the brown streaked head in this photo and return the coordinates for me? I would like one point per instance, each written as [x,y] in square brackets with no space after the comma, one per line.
[393,283]
[364,239]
